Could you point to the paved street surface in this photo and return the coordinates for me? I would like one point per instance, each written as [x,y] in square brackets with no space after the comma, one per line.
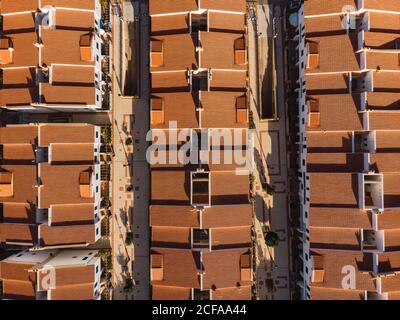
[130,174]
[271,212]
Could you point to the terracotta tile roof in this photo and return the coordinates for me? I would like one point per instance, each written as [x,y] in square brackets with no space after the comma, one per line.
[332,107]
[388,262]
[380,40]
[335,238]
[229,80]
[389,219]
[227,5]
[66,133]
[386,120]
[391,190]
[336,53]
[327,83]
[389,5]
[177,23]
[339,218]
[392,240]
[226,22]
[74,292]
[21,290]
[382,60]
[19,87]
[170,237]
[179,107]
[338,141]
[234,237]
[384,21]
[179,51]
[227,216]
[333,189]
[20,153]
[219,50]
[24,183]
[54,180]
[19,213]
[170,293]
[390,283]
[222,269]
[169,82]
[334,263]
[180,268]
[383,100]
[78,4]
[385,162]
[388,141]
[11,6]
[319,293]
[72,214]
[62,46]
[169,6]
[386,81]
[21,29]
[18,232]
[325,25]
[315,7]
[335,162]
[169,216]
[78,153]
[66,235]
[20,134]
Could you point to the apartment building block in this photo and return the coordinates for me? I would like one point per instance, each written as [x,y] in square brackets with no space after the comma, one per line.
[51,56]
[53,275]
[200,214]
[348,97]
[50,185]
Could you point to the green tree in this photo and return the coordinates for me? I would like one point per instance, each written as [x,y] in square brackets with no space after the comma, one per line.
[272,239]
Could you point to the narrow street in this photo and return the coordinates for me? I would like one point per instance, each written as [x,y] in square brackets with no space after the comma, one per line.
[271,211]
[130,168]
